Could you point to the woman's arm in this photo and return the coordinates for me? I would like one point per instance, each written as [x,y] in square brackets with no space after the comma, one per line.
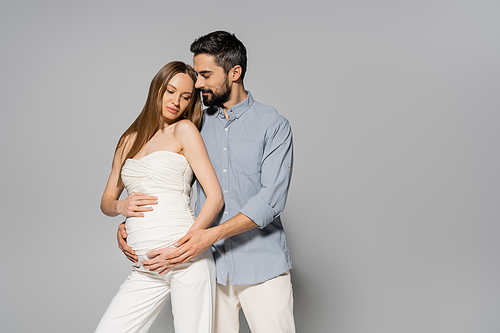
[131,206]
[195,152]
[112,191]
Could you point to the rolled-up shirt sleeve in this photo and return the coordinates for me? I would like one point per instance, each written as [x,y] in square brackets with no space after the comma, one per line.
[276,173]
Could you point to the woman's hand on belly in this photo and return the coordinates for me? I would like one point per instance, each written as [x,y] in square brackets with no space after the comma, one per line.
[134,204]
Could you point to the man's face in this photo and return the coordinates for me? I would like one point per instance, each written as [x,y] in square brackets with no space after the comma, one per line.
[212,81]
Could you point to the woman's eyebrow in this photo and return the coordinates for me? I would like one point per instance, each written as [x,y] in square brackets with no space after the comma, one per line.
[175,88]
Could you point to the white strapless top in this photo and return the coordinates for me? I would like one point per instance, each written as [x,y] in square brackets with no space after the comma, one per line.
[166,175]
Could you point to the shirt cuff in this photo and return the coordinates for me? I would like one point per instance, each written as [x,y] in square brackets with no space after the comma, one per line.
[258,211]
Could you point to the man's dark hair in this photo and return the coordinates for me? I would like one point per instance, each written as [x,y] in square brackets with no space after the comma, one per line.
[227,50]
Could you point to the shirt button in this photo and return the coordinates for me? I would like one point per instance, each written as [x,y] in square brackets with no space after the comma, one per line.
[226,212]
[226,129]
[237,115]
[225,191]
[224,170]
[227,253]
[224,148]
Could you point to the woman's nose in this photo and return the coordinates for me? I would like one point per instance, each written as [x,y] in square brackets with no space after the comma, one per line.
[177,100]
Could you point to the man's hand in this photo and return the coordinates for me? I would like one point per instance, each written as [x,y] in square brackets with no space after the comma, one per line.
[133,205]
[122,243]
[191,245]
[158,260]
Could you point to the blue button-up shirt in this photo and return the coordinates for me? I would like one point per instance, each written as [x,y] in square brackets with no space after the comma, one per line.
[251,153]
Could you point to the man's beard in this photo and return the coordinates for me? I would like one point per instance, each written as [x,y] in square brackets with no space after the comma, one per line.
[218,98]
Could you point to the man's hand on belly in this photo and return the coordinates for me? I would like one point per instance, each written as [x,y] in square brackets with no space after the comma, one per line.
[192,244]
[121,237]
[158,260]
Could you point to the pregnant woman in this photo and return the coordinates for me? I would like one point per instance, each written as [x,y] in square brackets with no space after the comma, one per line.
[154,160]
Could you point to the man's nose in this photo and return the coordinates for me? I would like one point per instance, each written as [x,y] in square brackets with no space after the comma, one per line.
[199,82]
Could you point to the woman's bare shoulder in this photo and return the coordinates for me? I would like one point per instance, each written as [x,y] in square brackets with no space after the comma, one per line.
[184,126]
[186,132]
[130,138]
[126,143]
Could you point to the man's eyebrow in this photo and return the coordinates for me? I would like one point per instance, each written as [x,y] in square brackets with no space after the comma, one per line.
[205,72]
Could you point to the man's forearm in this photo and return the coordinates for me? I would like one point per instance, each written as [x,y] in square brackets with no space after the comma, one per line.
[198,241]
[234,226]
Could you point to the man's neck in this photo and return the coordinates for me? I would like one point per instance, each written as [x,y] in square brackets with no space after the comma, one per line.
[238,95]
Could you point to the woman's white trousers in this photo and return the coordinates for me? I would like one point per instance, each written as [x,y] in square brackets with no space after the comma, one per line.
[143,294]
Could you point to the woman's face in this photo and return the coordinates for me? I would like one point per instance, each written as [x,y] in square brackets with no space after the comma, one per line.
[177,96]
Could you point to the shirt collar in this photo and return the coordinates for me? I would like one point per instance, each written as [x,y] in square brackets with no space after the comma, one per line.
[237,110]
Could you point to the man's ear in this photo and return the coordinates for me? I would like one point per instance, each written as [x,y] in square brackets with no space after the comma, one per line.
[235,73]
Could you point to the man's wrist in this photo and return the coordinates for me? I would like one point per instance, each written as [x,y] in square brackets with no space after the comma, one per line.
[216,234]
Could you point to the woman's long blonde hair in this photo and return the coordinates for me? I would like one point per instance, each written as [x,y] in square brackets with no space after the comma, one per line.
[149,120]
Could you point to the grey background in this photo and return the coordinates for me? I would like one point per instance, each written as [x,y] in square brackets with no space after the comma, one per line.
[393,212]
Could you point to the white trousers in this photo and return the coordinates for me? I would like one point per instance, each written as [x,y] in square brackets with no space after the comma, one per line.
[268,306]
[143,294]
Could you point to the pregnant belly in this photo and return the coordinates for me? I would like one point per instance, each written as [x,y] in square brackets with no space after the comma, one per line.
[170,219]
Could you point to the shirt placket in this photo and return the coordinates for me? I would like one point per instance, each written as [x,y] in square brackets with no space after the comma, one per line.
[226,186]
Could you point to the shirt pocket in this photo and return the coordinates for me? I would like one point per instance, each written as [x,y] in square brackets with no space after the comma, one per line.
[246,157]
